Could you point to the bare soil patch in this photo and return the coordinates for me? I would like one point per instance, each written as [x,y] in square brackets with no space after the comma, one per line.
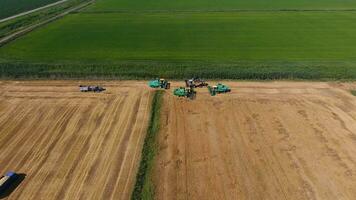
[283,140]
[72,145]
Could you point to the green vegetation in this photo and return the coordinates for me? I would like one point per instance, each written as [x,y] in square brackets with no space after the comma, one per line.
[353,92]
[147,70]
[176,39]
[13,7]
[12,26]
[313,37]
[144,188]
[140,5]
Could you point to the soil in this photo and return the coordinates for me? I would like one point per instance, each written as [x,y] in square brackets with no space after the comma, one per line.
[264,140]
[72,145]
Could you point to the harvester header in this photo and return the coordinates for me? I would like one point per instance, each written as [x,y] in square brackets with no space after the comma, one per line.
[219,88]
[185,92]
[159,83]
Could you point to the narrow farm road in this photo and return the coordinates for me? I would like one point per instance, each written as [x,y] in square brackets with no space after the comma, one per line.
[32,11]
[16,34]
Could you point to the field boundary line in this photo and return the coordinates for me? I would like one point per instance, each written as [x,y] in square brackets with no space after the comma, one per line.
[22,32]
[31,11]
[215,11]
[144,188]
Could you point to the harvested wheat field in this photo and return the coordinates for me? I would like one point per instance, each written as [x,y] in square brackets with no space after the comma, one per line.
[283,140]
[72,145]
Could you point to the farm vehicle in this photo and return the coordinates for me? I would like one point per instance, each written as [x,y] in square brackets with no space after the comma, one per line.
[91,88]
[159,83]
[7,180]
[195,82]
[217,89]
[185,92]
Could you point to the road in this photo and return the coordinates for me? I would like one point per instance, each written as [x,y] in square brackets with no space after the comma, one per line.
[72,145]
[32,11]
[21,32]
[265,140]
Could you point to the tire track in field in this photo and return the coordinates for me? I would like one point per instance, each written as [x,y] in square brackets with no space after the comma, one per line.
[73,148]
[279,140]
[121,151]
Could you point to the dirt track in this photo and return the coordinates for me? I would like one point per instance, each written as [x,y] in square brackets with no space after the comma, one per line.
[72,145]
[273,141]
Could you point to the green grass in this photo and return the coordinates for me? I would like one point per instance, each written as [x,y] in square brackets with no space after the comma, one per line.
[184,38]
[144,188]
[13,7]
[353,92]
[14,25]
[314,37]
[140,5]
[148,70]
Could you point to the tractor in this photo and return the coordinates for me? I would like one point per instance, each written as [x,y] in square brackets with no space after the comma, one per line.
[185,92]
[217,89]
[159,83]
[195,82]
[91,88]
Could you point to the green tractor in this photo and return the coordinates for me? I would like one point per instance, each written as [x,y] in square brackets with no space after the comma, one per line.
[185,92]
[159,83]
[219,88]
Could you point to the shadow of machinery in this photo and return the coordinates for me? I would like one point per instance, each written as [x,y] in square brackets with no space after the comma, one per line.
[19,178]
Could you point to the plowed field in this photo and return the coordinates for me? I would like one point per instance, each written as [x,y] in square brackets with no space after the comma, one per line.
[263,141]
[72,145]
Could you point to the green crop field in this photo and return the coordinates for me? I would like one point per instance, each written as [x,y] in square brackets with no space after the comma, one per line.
[198,34]
[130,5]
[12,7]
[218,37]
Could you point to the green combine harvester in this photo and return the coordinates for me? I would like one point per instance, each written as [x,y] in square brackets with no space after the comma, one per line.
[185,92]
[219,88]
[159,83]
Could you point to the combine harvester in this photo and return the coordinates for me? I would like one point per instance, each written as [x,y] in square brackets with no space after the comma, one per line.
[185,92]
[91,88]
[217,89]
[7,180]
[195,82]
[160,83]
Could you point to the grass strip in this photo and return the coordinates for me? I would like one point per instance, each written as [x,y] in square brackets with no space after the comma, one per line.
[144,188]
[353,92]
[176,71]
[9,27]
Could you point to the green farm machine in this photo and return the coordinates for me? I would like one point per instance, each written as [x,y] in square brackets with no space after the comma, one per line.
[159,83]
[185,92]
[219,88]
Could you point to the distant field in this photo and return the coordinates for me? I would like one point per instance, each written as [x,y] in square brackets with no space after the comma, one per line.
[229,34]
[12,7]
[215,37]
[115,5]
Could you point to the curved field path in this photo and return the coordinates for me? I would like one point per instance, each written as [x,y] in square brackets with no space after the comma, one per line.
[283,140]
[72,145]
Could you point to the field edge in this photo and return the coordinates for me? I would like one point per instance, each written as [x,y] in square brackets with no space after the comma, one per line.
[178,70]
[144,188]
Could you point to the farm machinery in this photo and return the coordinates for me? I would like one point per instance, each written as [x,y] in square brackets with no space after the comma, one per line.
[195,82]
[91,88]
[6,180]
[185,92]
[159,83]
[217,89]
